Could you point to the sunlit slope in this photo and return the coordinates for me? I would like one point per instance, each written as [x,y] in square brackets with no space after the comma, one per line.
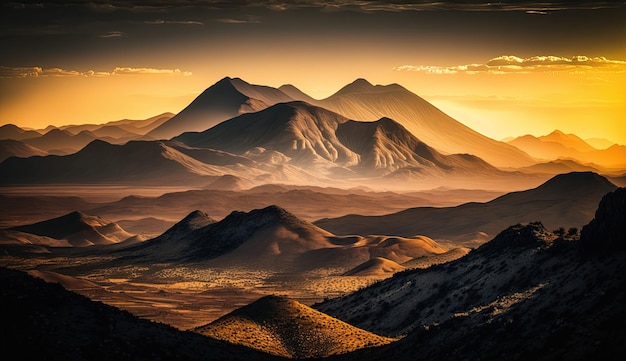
[302,134]
[363,101]
[223,100]
[285,327]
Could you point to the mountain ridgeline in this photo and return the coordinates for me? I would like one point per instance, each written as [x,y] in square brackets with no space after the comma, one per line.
[384,134]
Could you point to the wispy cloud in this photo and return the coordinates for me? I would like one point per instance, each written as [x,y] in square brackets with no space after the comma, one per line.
[245,20]
[113,34]
[507,64]
[35,72]
[363,5]
[531,7]
[176,22]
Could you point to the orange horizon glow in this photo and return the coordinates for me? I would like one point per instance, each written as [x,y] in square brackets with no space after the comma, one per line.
[589,104]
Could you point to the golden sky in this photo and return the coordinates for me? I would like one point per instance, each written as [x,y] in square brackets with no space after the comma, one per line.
[507,69]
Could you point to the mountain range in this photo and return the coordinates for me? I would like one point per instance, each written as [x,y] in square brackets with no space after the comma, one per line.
[558,145]
[378,135]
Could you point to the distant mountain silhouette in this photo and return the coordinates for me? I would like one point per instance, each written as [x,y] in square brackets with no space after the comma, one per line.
[120,129]
[223,100]
[12,131]
[78,229]
[285,327]
[15,148]
[312,136]
[60,142]
[566,200]
[138,162]
[557,145]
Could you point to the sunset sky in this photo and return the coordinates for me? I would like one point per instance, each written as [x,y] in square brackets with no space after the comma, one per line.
[502,68]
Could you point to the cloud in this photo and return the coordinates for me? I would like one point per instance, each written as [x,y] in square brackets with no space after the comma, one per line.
[113,34]
[531,7]
[176,22]
[507,64]
[246,20]
[38,72]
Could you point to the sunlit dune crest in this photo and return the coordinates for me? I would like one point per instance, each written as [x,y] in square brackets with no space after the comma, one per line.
[285,327]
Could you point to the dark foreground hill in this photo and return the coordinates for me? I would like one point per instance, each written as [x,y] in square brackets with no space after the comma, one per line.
[43,321]
[527,294]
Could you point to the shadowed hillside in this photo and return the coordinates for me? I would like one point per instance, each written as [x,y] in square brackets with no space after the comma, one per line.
[527,294]
[44,321]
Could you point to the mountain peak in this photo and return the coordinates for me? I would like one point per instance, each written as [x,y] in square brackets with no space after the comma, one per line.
[360,85]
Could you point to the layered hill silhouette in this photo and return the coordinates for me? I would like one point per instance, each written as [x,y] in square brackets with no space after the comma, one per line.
[139,162]
[285,327]
[566,200]
[558,145]
[77,229]
[12,131]
[528,293]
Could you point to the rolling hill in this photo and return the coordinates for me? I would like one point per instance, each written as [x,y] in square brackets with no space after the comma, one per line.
[566,200]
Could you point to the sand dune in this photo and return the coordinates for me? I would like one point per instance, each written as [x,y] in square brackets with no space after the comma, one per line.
[285,327]
[77,229]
